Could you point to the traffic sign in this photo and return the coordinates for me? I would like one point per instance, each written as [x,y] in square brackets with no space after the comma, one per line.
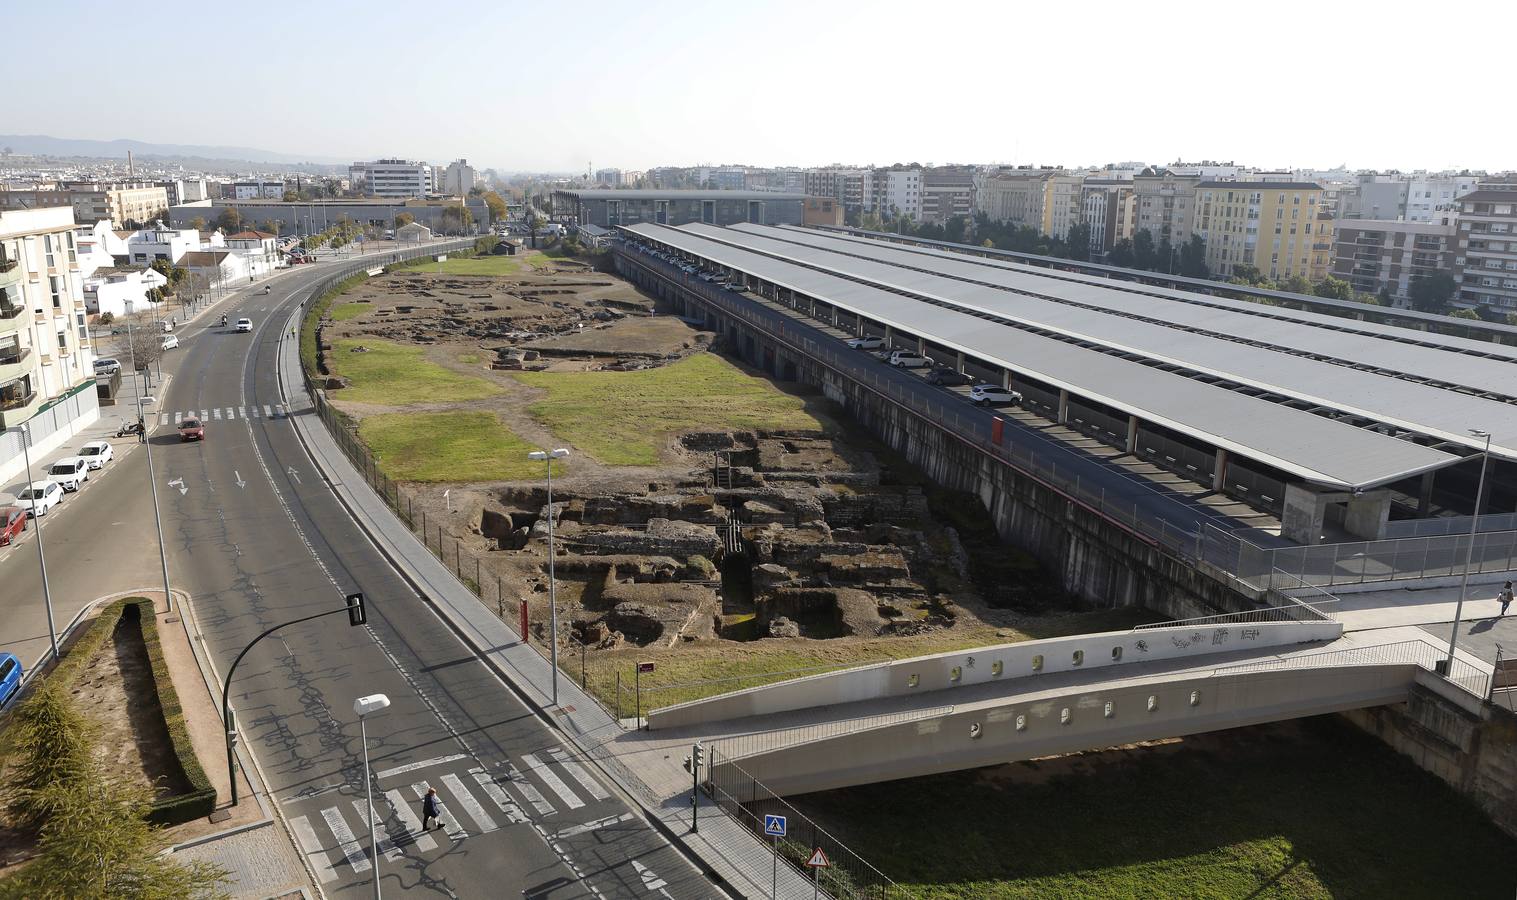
[644,667]
[819,860]
[774,826]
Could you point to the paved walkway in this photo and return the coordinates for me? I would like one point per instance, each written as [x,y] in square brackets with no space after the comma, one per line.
[728,848]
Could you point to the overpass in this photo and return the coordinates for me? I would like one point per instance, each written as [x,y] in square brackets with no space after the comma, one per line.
[992,705]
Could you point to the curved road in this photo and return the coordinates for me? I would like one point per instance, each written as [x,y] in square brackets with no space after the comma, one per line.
[256,537]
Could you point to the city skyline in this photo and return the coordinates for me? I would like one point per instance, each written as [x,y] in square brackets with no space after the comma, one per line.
[994,89]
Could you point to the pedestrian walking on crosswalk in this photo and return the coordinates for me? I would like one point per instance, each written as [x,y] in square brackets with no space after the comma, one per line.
[429,809]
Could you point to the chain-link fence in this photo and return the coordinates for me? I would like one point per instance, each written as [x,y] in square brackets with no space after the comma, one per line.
[748,801]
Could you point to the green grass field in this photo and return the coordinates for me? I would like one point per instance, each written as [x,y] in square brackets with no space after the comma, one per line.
[394,374]
[342,312]
[623,418]
[474,265]
[449,446]
[1318,810]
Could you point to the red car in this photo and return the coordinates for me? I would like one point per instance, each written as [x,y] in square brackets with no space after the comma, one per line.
[191,430]
[12,523]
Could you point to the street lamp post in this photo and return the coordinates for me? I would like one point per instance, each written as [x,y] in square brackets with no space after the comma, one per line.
[163,557]
[363,706]
[47,595]
[548,456]
[1469,551]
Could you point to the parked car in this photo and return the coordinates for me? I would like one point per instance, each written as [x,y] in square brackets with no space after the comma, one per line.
[170,342]
[107,366]
[991,395]
[12,523]
[737,286]
[97,454]
[69,473]
[244,326]
[909,359]
[39,497]
[948,376]
[191,430]
[10,678]
[867,342]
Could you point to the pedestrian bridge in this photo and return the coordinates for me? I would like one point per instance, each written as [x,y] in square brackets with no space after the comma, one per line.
[998,704]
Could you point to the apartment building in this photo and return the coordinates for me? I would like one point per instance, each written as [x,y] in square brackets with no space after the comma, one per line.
[124,205]
[392,178]
[1062,201]
[1165,204]
[1431,197]
[1273,226]
[947,191]
[1376,255]
[457,178]
[1107,205]
[1016,196]
[256,189]
[845,185]
[1485,255]
[46,357]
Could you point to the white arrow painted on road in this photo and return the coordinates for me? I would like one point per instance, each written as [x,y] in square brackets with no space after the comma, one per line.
[179,483]
[651,881]
[240,482]
[293,474]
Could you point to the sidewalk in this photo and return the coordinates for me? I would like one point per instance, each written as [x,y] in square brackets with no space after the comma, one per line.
[726,847]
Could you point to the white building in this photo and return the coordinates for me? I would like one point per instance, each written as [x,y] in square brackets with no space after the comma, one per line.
[1430,197]
[392,178]
[903,193]
[259,189]
[457,178]
[220,268]
[161,243]
[120,290]
[259,250]
[99,247]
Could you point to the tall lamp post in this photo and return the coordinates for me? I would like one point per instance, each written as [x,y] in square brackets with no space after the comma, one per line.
[1469,551]
[47,595]
[548,456]
[163,557]
[373,703]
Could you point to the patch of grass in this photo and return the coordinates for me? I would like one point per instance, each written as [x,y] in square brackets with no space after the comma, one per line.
[478,265]
[314,311]
[1310,809]
[449,446]
[342,312]
[469,358]
[726,667]
[623,418]
[396,374]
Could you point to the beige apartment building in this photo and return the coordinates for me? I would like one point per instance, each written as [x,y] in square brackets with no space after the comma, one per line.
[124,205]
[46,358]
[1271,225]
[1165,205]
[1018,197]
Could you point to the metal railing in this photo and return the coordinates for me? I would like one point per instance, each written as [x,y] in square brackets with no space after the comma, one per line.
[1356,562]
[1447,525]
[1293,611]
[743,797]
[1422,654]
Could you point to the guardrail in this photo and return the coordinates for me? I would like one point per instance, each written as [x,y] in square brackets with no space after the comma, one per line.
[1294,611]
[1422,654]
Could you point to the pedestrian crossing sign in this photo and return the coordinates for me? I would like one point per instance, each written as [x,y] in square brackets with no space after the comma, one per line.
[818,860]
[774,826]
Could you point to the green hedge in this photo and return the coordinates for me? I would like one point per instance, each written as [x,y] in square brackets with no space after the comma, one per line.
[201,799]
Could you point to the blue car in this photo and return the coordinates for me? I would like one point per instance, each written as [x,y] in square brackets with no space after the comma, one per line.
[10,677]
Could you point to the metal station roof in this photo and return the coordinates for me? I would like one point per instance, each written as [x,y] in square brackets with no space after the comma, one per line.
[1213,341]
[1307,446]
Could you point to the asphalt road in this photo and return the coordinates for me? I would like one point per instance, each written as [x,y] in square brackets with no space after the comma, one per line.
[257,538]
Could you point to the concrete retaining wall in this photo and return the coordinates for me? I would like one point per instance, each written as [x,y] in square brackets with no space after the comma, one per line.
[1009,662]
[986,734]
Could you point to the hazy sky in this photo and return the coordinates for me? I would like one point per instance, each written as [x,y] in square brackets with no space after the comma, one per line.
[555,86]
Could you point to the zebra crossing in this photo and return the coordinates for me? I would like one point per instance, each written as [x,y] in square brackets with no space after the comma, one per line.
[218,413]
[472,801]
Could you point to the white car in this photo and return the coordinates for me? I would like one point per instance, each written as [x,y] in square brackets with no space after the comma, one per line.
[39,497]
[170,342]
[97,453]
[991,395]
[69,473]
[909,359]
[244,326]
[869,342]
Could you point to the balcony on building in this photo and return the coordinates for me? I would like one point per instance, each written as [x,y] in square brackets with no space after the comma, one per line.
[17,397]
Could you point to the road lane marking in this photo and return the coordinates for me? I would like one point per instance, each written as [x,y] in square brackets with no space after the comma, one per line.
[242,412]
[229,414]
[407,817]
[651,881]
[268,413]
[444,816]
[215,413]
[593,826]
[386,843]
[469,803]
[579,774]
[306,835]
[293,474]
[533,795]
[240,483]
[412,767]
[345,840]
[502,799]
[551,779]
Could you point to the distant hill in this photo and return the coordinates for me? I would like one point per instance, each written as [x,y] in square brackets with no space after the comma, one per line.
[45,145]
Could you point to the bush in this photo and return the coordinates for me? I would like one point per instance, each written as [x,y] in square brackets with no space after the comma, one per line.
[201,799]
[53,742]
